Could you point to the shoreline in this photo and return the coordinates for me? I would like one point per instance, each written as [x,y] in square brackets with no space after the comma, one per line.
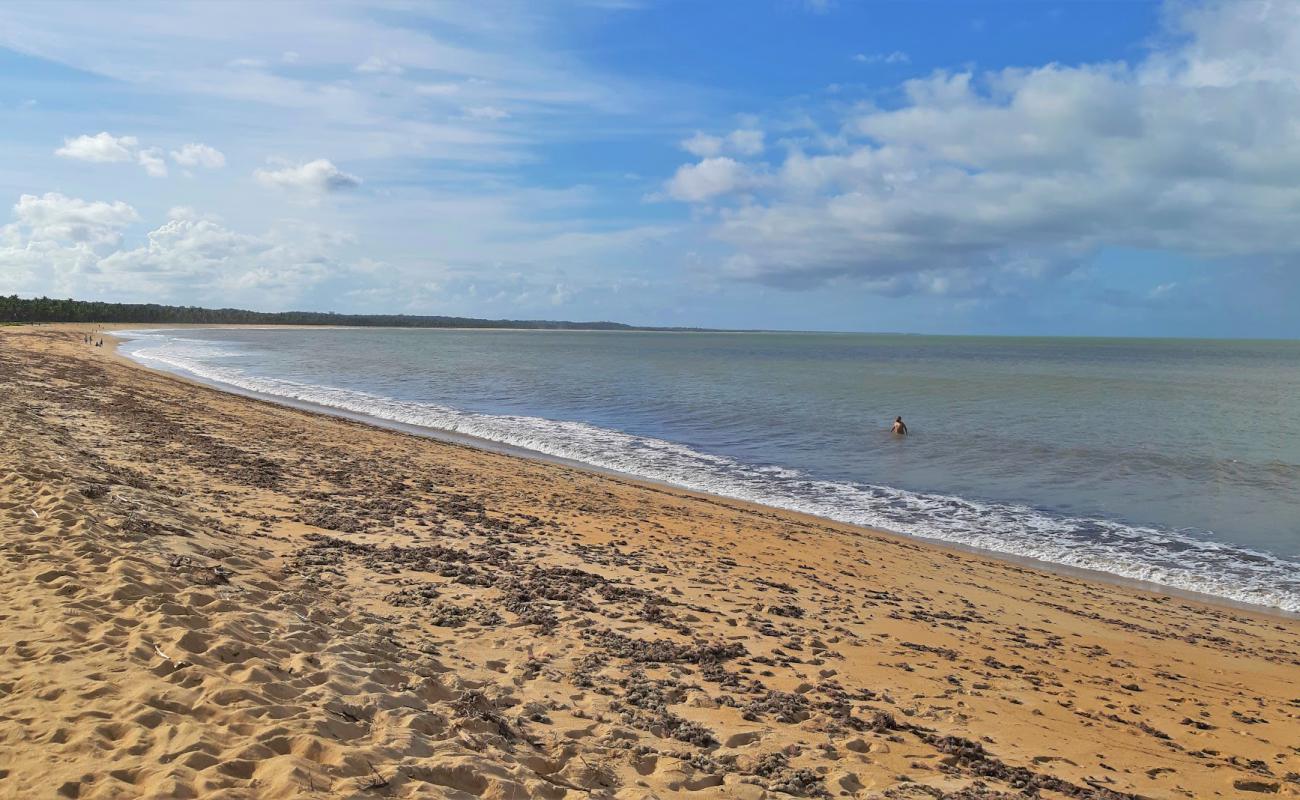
[474,442]
[209,595]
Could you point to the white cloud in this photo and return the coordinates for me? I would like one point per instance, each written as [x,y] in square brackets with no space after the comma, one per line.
[73,246]
[101,148]
[106,148]
[152,161]
[58,218]
[199,155]
[708,179]
[746,142]
[1195,149]
[203,253]
[319,176]
[703,145]
[743,142]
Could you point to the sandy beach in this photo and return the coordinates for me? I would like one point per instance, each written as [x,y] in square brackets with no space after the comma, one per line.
[206,595]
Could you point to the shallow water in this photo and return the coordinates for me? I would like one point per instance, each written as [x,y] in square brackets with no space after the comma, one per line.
[1173,461]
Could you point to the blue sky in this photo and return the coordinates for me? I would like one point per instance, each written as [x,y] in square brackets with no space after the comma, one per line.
[1121,168]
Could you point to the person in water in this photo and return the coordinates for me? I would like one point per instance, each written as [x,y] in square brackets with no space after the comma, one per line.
[900,427]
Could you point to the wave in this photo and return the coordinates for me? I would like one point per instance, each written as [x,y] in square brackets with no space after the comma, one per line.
[1169,558]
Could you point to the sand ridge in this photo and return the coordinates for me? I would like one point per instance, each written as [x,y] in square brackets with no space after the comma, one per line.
[210,596]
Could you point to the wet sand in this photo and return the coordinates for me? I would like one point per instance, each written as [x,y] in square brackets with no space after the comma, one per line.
[206,595]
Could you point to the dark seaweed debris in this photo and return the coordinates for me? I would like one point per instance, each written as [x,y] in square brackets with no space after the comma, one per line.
[663,651]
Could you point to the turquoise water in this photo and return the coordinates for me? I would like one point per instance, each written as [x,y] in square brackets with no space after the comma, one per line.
[1173,461]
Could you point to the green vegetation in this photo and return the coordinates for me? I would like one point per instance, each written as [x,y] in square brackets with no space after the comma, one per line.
[45,309]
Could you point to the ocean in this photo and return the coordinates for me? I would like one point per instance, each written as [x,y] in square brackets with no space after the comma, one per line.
[1175,462]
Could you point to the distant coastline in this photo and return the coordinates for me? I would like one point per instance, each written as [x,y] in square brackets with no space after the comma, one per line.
[14,309]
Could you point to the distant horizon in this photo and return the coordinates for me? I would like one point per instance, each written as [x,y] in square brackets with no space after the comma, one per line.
[588,326]
[966,167]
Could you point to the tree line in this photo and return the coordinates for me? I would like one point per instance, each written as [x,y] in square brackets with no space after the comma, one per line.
[48,309]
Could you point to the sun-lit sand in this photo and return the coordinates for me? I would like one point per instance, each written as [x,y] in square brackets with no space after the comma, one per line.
[209,596]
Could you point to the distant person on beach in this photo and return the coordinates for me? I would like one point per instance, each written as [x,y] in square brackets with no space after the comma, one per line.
[900,427]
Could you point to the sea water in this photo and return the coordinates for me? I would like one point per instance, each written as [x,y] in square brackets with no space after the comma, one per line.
[1170,461]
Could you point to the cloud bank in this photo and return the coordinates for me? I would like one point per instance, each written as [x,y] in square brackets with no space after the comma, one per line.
[978,179]
[75,246]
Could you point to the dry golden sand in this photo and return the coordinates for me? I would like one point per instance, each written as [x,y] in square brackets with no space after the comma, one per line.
[209,596]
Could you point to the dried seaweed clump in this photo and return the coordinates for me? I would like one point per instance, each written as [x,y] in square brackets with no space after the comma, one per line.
[663,651]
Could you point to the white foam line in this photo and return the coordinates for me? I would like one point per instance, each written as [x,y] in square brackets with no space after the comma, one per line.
[1128,551]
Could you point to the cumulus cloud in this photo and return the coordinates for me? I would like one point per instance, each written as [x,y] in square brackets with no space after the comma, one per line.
[200,251]
[703,145]
[319,176]
[199,155]
[105,148]
[58,218]
[743,142]
[747,142]
[101,148]
[75,246]
[712,177]
[1193,149]
[152,161]
[185,244]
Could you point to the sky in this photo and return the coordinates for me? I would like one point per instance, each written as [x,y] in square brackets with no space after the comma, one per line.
[1025,168]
